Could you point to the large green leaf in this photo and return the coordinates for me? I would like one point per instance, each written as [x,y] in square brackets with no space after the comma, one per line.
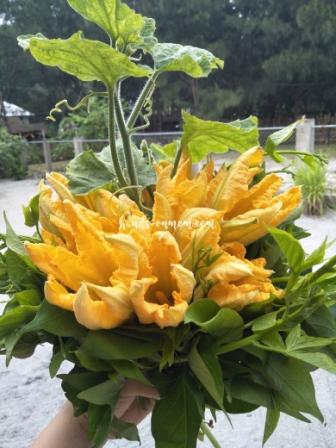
[15,318]
[224,324]
[201,137]
[112,346]
[104,393]
[119,21]
[89,171]
[88,60]
[193,61]
[177,417]
[50,319]
[56,321]
[22,274]
[292,381]
[205,365]
[290,247]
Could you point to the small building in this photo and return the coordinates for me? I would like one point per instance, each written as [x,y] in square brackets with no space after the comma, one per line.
[19,121]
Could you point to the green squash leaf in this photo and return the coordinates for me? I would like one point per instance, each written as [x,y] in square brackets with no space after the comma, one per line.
[193,61]
[178,429]
[86,59]
[201,137]
[119,21]
[89,171]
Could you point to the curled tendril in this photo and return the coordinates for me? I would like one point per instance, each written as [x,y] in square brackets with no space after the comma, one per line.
[148,111]
[83,102]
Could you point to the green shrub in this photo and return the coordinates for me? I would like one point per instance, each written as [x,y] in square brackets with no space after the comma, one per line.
[13,152]
[62,151]
[313,180]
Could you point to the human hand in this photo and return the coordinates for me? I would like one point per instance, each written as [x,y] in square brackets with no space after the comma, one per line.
[136,401]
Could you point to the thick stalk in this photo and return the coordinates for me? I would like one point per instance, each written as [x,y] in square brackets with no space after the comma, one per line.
[112,139]
[132,119]
[126,140]
[209,435]
[127,145]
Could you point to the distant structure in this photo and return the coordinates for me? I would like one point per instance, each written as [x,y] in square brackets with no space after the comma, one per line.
[19,121]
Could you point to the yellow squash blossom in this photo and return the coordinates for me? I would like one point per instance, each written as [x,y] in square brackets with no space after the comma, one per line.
[107,262]
[103,262]
[246,209]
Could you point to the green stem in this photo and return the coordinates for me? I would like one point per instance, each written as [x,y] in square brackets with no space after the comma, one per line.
[132,119]
[126,140]
[301,153]
[239,344]
[177,160]
[205,428]
[279,279]
[112,139]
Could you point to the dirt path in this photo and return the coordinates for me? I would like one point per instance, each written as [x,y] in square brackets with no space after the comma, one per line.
[29,398]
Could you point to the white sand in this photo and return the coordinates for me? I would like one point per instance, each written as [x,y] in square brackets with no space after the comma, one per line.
[29,398]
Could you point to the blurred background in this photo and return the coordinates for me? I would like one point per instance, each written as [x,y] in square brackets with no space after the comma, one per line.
[280,61]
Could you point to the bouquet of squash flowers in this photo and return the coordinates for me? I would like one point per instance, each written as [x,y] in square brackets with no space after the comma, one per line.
[155,264]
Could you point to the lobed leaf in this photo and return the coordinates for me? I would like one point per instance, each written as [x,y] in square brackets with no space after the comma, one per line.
[178,429]
[201,137]
[119,21]
[193,61]
[88,60]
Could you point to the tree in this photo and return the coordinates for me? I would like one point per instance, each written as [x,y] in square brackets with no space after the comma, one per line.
[22,81]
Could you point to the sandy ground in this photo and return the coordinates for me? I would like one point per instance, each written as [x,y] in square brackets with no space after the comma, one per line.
[29,398]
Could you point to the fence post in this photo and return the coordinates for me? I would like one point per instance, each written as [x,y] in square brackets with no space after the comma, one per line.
[46,153]
[305,136]
[78,143]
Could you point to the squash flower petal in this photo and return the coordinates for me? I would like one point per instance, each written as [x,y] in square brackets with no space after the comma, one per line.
[149,312]
[100,308]
[58,295]
[230,185]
